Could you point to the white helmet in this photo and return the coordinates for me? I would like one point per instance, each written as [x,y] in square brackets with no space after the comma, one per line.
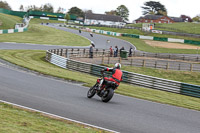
[118,65]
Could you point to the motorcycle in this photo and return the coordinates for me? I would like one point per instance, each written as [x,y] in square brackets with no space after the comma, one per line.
[106,92]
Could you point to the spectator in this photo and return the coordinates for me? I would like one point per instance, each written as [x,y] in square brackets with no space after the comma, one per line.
[91,49]
[115,51]
[130,51]
[111,51]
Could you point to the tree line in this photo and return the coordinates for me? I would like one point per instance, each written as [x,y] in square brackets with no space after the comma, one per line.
[149,8]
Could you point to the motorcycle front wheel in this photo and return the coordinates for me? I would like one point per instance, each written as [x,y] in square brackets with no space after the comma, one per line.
[92,91]
[108,94]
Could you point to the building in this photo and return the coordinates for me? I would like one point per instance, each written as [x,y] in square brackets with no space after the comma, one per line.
[102,19]
[158,19]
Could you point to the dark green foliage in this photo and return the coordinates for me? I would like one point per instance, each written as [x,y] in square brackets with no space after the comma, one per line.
[152,7]
[123,12]
[76,11]
[5,5]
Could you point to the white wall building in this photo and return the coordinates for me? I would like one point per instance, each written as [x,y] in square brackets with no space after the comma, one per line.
[102,19]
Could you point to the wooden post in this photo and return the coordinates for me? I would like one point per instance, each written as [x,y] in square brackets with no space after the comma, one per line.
[191,67]
[102,61]
[143,65]
[120,59]
[61,53]
[155,64]
[183,57]
[108,59]
[179,67]
[167,66]
[131,61]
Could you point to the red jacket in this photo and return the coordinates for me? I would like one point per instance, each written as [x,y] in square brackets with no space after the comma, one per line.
[116,74]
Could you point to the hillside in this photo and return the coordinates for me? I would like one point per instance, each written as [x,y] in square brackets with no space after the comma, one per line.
[193,28]
[9,21]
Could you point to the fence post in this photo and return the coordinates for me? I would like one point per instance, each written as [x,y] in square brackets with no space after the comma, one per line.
[96,52]
[66,54]
[191,67]
[143,65]
[179,67]
[167,66]
[61,53]
[197,58]
[155,64]
[131,61]
[108,59]
[120,59]
[102,61]
[57,51]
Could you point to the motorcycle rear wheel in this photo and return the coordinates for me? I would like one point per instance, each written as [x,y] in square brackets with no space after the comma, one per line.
[91,92]
[108,94]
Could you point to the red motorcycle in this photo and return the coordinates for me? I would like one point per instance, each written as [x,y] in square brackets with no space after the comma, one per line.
[106,92]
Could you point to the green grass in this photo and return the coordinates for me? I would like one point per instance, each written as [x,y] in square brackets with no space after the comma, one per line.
[38,21]
[15,120]
[141,45]
[34,60]
[9,21]
[40,34]
[193,28]
[138,32]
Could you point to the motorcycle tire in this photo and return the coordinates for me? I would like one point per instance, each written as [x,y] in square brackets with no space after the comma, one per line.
[108,94]
[91,92]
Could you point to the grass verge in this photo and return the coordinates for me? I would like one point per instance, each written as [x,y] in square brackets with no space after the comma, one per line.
[138,32]
[35,60]
[39,34]
[15,120]
[9,21]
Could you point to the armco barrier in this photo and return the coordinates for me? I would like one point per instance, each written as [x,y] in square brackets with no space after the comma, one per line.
[129,77]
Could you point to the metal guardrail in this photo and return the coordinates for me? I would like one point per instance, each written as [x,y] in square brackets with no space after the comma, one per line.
[128,77]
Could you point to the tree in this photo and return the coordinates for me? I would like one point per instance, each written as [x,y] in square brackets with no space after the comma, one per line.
[197,18]
[33,8]
[47,8]
[5,5]
[67,17]
[123,12]
[155,8]
[76,11]
[88,11]
[60,10]
[112,12]
[21,8]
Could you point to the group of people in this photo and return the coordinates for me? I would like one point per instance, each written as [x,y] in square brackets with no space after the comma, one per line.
[116,51]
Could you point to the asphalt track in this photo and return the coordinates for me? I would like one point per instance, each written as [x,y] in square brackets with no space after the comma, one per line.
[122,114]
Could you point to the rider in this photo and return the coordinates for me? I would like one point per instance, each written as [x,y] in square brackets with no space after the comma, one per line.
[116,75]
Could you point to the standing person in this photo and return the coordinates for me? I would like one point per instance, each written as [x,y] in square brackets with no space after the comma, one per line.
[115,51]
[91,49]
[130,51]
[111,51]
